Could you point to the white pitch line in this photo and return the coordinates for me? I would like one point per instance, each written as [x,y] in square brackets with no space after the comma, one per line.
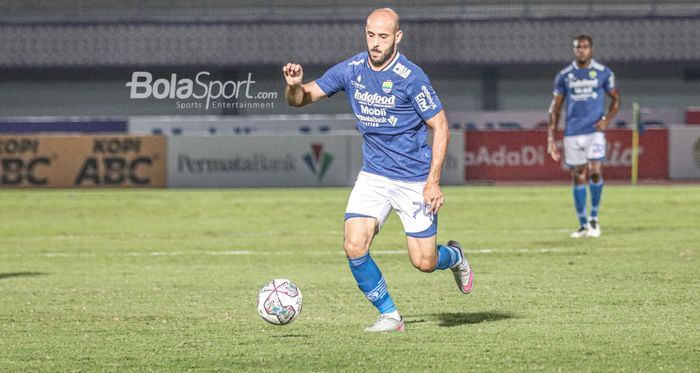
[235,252]
[298,253]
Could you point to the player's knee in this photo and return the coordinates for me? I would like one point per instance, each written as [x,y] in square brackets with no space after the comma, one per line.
[424,265]
[595,177]
[355,247]
[579,177]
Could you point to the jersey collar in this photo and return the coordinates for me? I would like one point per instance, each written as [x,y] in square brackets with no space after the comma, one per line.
[590,65]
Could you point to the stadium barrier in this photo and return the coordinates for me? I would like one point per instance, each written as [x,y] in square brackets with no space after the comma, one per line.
[198,157]
[245,125]
[538,119]
[684,155]
[39,125]
[319,124]
[82,161]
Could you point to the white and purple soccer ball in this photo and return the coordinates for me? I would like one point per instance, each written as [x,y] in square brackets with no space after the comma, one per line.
[279,302]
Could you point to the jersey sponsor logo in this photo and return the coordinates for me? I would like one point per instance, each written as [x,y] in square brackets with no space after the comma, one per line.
[428,96]
[425,100]
[370,121]
[375,99]
[583,83]
[422,102]
[402,70]
[582,89]
[358,85]
[372,110]
[392,119]
[387,86]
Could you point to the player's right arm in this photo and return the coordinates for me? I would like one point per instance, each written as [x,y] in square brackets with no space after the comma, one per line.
[296,93]
[554,114]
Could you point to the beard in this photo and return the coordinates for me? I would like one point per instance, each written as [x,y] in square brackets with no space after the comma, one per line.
[383,57]
[583,60]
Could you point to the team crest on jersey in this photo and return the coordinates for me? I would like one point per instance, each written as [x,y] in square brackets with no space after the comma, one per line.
[387,86]
[592,74]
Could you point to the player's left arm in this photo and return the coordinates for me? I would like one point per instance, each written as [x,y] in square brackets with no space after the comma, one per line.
[441,136]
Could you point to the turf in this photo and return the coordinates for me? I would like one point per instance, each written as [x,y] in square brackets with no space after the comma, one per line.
[140,280]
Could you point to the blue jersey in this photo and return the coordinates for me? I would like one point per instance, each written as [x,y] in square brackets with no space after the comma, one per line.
[391,107]
[584,89]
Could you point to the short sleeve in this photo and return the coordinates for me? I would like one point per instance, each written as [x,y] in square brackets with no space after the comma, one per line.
[609,83]
[333,80]
[559,85]
[424,98]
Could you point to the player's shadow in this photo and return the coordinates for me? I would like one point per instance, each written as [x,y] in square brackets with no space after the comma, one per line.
[20,274]
[292,336]
[448,319]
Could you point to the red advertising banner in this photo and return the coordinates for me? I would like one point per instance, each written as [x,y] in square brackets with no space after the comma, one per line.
[522,156]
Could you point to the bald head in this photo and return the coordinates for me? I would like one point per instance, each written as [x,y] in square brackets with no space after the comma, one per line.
[384,18]
[383,36]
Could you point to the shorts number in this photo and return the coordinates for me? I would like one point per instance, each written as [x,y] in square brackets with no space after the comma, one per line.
[598,148]
[421,207]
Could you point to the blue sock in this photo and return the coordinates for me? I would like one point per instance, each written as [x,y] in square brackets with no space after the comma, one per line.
[580,203]
[370,280]
[447,257]
[596,192]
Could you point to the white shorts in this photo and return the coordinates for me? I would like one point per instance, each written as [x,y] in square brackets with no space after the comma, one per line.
[580,149]
[374,196]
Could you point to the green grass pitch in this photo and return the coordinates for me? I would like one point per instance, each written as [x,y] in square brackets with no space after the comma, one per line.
[142,280]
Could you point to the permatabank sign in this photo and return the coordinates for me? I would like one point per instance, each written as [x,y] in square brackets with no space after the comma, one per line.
[258,161]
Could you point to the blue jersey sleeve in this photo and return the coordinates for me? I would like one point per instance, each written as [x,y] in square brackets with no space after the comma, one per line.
[559,85]
[609,83]
[424,98]
[333,80]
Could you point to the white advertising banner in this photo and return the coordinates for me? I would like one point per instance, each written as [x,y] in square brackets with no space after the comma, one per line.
[258,161]
[684,154]
[289,160]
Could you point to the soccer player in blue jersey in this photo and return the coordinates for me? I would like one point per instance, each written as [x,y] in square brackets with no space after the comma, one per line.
[395,105]
[582,86]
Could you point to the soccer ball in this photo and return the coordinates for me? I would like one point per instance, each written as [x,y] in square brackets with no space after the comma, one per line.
[279,302]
